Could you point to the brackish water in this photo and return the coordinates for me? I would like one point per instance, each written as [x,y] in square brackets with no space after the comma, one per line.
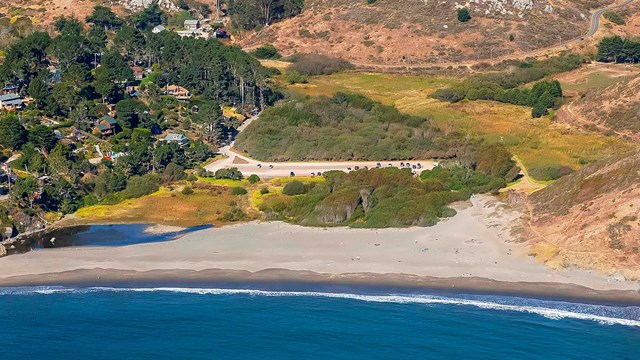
[216,323]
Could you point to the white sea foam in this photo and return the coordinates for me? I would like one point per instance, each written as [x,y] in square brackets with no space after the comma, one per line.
[547,312]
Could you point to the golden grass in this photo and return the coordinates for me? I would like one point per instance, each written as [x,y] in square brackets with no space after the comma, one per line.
[277,64]
[537,142]
[166,207]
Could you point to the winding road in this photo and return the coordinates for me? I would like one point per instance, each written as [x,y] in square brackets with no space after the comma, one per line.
[263,169]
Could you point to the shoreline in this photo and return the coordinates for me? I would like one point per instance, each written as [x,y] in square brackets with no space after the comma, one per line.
[292,279]
[476,250]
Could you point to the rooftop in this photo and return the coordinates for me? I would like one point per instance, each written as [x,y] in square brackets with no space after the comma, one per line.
[109,119]
[191,22]
[9,97]
[175,137]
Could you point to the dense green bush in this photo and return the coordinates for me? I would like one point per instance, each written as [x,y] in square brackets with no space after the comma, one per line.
[344,127]
[238,190]
[228,173]
[138,186]
[294,187]
[294,77]
[266,51]
[253,179]
[387,197]
[617,49]
[614,17]
[463,15]
[316,64]
[549,172]
[187,190]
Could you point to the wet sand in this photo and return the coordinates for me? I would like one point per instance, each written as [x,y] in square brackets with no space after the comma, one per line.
[475,250]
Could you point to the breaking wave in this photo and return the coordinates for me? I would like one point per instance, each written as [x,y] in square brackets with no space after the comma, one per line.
[556,310]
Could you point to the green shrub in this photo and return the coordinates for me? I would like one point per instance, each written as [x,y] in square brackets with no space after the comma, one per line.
[266,51]
[234,215]
[463,15]
[294,77]
[228,173]
[264,191]
[187,190]
[238,190]
[316,64]
[138,186]
[294,187]
[253,179]
[173,172]
[549,172]
[614,17]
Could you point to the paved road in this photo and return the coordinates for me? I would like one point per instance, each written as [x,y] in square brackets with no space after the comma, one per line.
[597,15]
[249,166]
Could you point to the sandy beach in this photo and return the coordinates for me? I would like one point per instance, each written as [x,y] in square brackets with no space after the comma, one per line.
[474,249]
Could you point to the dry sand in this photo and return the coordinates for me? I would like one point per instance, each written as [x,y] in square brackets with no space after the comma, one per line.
[473,245]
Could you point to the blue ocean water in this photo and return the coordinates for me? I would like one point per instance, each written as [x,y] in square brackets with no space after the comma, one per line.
[216,323]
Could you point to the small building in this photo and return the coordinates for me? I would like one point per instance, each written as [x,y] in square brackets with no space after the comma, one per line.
[11,102]
[10,89]
[107,126]
[177,138]
[191,24]
[178,92]
[138,72]
[221,33]
[158,29]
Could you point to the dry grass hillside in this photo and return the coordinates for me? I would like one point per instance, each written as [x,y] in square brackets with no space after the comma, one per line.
[422,31]
[45,11]
[590,218]
[613,109]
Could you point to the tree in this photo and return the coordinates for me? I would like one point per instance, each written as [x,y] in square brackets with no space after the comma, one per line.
[130,112]
[39,89]
[210,118]
[539,110]
[43,137]
[149,17]
[25,192]
[12,134]
[68,26]
[102,16]
[463,15]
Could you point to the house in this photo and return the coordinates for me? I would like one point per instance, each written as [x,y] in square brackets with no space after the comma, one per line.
[221,33]
[178,92]
[11,102]
[138,72]
[177,138]
[197,34]
[107,126]
[191,24]
[10,89]
[158,29]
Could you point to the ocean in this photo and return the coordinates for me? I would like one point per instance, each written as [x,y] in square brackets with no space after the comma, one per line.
[304,322]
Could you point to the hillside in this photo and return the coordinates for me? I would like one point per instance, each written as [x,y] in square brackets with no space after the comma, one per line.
[590,218]
[614,109]
[421,32]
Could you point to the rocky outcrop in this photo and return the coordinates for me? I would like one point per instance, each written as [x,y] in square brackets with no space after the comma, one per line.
[136,5]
